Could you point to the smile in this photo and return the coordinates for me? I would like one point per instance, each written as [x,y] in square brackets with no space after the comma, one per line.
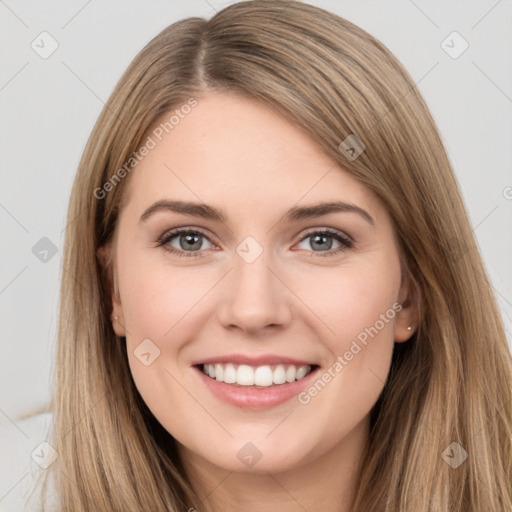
[255,376]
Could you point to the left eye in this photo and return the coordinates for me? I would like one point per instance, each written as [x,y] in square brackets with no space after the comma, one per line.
[322,241]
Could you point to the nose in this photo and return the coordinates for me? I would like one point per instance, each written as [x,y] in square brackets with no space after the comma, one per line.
[255,297]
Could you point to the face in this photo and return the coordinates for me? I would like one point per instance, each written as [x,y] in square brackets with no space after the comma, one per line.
[226,263]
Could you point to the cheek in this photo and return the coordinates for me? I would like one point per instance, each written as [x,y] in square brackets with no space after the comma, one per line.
[156,297]
[349,300]
[160,304]
[168,306]
[356,309]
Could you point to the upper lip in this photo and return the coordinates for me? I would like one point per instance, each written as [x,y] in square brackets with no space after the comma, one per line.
[252,361]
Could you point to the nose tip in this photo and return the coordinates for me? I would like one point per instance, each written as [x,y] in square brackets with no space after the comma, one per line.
[254,298]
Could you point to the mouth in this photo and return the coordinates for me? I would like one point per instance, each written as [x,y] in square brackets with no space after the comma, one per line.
[256,377]
[255,385]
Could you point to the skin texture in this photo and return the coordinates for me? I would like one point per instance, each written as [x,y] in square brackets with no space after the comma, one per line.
[240,156]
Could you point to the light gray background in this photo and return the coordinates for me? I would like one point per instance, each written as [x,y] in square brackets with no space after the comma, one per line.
[48,108]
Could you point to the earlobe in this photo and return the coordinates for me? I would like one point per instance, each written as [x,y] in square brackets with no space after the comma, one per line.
[401,337]
[407,319]
[118,322]
[403,330]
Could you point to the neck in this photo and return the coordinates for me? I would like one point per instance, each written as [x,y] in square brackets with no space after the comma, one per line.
[326,482]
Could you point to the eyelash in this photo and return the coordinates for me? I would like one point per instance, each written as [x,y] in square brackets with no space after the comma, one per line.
[346,243]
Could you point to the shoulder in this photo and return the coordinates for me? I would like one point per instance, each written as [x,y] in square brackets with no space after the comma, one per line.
[25,455]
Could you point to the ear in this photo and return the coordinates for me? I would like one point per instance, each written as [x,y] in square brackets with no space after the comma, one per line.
[409,315]
[106,259]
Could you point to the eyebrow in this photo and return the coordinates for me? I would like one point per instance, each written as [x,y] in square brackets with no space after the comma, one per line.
[293,214]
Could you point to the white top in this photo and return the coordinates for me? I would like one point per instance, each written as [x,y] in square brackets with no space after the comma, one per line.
[25,454]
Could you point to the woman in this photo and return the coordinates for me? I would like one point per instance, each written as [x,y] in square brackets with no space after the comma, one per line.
[272,297]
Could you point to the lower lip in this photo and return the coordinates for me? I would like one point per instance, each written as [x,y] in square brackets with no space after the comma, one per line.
[256,398]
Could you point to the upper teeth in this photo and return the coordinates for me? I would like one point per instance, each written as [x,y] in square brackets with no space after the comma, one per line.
[246,375]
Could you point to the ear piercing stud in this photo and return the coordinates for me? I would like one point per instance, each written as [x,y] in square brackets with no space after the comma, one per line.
[409,328]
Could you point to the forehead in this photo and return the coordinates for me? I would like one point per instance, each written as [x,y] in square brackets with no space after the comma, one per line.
[232,150]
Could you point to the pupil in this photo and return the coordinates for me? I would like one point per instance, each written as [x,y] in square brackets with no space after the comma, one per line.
[190,241]
[322,242]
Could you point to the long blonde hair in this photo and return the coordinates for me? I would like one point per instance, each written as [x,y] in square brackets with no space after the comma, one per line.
[450,383]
